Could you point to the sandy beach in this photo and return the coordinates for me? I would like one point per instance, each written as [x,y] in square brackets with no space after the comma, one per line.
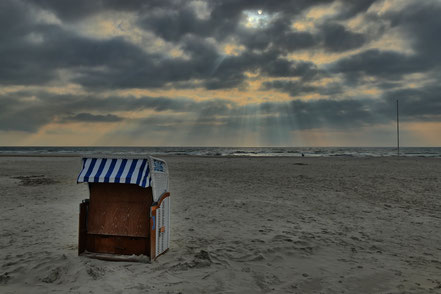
[239,225]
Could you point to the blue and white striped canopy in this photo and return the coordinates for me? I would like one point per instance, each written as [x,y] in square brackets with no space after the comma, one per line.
[108,170]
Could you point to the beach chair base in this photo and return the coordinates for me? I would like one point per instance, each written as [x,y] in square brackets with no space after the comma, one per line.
[120,223]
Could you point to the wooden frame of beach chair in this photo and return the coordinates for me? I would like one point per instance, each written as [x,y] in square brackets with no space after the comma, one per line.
[121,221]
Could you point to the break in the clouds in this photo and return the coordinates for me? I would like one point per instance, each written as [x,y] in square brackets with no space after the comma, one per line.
[218,72]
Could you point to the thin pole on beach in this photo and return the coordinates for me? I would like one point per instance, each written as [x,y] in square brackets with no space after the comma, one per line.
[398,132]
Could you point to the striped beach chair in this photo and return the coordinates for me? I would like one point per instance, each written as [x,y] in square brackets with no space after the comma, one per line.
[128,210]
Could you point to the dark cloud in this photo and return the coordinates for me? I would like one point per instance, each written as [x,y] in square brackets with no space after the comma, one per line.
[336,113]
[418,103]
[280,35]
[229,8]
[80,9]
[29,111]
[299,88]
[14,19]
[225,19]
[390,65]
[277,36]
[35,52]
[26,120]
[284,68]
[172,25]
[350,8]
[112,63]
[228,14]
[421,24]
[23,111]
[337,38]
[270,121]
[173,19]
[92,118]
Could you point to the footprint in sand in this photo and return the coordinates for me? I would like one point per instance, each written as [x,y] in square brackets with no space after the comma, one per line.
[4,278]
[95,272]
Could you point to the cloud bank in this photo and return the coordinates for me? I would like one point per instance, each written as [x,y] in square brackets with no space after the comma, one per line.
[217,69]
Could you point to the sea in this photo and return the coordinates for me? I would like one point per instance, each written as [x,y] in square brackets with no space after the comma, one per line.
[224,151]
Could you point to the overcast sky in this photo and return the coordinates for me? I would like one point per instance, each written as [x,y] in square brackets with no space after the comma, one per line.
[220,73]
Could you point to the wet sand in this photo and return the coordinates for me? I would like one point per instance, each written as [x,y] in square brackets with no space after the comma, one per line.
[239,225]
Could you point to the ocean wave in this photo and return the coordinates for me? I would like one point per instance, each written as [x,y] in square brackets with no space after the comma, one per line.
[225,151]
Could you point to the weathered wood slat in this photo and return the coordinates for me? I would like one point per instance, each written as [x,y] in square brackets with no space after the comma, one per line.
[117,244]
[119,210]
[82,236]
